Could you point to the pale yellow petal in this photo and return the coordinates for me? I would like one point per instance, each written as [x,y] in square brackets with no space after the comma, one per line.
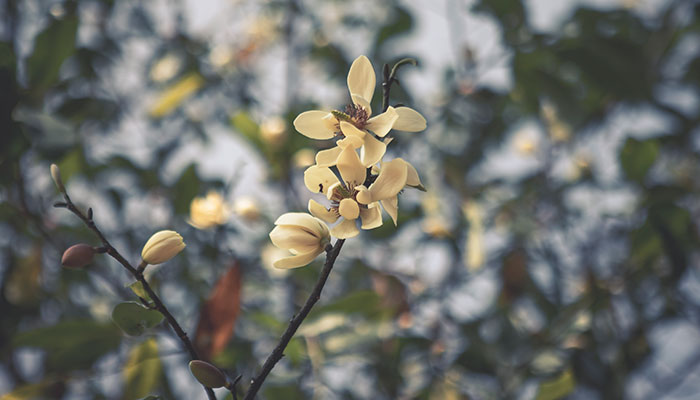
[382,123]
[318,179]
[332,190]
[349,209]
[361,78]
[313,225]
[372,151]
[321,212]
[412,178]
[391,179]
[345,229]
[409,120]
[328,157]
[294,238]
[316,124]
[363,195]
[350,130]
[362,102]
[371,216]
[391,206]
[350,141]
[295,261]
[350,167]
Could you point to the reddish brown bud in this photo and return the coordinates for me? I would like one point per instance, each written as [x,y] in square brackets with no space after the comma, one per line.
[78,256]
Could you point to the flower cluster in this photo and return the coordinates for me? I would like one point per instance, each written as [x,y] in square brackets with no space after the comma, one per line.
[353,175]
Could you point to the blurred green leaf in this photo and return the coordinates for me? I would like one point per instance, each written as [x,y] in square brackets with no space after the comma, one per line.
[134,319]
[637,157]
[51,48]
[247,127]
[73,344]
[185,189]
[143,370]
[557,388]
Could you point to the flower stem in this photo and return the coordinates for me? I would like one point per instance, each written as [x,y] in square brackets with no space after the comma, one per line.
[278,352]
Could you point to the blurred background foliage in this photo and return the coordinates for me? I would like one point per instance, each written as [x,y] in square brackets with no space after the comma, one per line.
[555,254]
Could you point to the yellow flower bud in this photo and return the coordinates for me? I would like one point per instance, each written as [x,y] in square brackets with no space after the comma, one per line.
[303,235]
[56,176]
[161,247]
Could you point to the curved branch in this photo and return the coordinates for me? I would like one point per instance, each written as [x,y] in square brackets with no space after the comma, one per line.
[138,274]
[278,352]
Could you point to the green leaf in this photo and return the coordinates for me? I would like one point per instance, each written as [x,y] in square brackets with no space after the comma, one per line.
[134,319]
[137,288]
[245,125]
[51,48]
[558,387]
[72,345]
[637,157]
[185,189]
[143,370]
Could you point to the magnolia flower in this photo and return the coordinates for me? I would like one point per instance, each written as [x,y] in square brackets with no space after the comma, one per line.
[209,211]
[303,235]
[161,247]
[353,125]
[351,198]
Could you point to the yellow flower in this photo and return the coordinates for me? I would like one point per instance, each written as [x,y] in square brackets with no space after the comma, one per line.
[351,198]
[161,247]
[353,126]
[247,208]
[209,211]
[303,235]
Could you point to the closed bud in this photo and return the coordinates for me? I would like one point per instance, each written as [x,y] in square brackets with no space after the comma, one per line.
[207,374]
[78,256]
[161,247]
[56,176]
[247,208]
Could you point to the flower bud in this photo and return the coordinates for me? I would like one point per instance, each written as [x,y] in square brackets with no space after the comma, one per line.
[161,247]
[56,176]
[303,235]
[207,374]
[78,256]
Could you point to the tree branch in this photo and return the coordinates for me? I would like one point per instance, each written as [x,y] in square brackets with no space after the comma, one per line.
[278,352]
[138,274]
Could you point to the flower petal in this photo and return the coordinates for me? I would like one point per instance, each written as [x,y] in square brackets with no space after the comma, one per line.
[391,179]
[313,225]
[372,151]
[361,78]
[382,123]
[409,120]
[328,157]
[295,261]
[345,229]
[316,124]
[391,206]
[318,179]
[350,167]
[350,130]
[349,209]
[362,102]
[371,216]
[412,178]
[321,212]
[294,238]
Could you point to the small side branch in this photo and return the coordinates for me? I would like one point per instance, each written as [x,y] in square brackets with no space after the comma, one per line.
[138,274]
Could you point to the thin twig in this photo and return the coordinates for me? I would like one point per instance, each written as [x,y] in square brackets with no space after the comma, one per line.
[278,352]
[138,274]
